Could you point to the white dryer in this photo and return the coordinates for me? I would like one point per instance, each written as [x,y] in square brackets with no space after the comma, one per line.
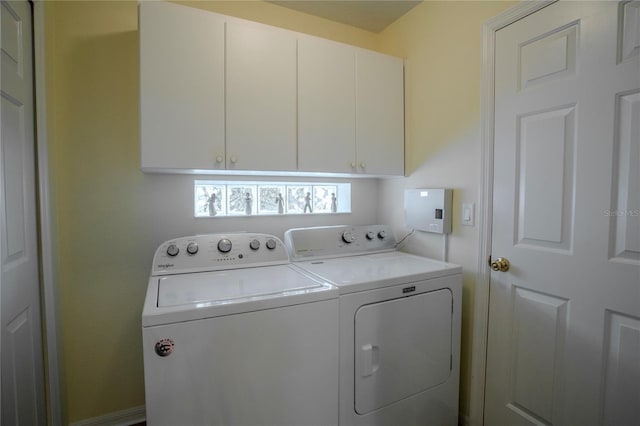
[235,335]
[399,325]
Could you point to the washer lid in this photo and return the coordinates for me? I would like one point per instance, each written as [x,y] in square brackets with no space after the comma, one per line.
[194,296]
[357,273]
[231,286]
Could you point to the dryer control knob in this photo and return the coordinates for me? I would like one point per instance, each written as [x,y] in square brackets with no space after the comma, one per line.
[224,245]
[173,250]
[348,237]
[370,235]
[192,248]
[271,244]
[254,244]
[382,235]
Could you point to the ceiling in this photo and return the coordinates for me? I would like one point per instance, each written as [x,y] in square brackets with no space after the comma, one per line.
[370,15]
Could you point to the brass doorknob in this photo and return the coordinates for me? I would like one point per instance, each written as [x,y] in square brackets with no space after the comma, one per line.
[500,264]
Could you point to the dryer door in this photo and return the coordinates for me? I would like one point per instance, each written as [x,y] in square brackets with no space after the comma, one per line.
[402,347]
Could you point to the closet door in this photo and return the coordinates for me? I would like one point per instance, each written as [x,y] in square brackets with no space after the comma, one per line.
[261,97]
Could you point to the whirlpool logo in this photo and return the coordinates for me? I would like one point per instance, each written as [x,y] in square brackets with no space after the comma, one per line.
[165,265]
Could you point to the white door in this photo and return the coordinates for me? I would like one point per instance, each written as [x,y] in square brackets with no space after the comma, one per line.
[21,335]
[564,320]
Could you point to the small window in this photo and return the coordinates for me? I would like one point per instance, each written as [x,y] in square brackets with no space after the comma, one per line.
[244,198]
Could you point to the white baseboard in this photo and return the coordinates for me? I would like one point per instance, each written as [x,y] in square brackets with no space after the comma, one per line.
[127,417]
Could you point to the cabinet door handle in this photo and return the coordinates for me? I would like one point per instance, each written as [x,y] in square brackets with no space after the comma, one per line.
[219,159]
[353,164]
[363,165]
[233,159]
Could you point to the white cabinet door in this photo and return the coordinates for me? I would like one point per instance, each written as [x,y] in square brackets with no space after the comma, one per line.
[379,113]
[181,87]
[564,321]
[261,97]
[326,106]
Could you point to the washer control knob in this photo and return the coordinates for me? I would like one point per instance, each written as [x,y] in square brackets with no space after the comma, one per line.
[370,235]
[348,237]
[254,244]
[271,244]
[173,250]
[192,248]
[224,245]
[382,235]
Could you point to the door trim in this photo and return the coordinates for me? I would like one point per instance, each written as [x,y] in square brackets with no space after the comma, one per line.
[48,289]
[485,208]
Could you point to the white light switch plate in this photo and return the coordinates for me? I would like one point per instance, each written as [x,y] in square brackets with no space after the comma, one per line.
[467,214]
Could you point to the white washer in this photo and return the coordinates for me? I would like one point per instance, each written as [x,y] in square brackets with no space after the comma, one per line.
[399,324]
[235,335]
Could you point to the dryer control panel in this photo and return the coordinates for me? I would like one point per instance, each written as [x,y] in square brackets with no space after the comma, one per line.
[214,252]
[335,241]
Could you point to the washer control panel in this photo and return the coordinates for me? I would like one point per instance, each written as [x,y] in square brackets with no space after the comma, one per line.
[215,252]
[334,241]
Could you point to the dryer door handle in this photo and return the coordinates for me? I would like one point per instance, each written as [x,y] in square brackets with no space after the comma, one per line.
[369,359]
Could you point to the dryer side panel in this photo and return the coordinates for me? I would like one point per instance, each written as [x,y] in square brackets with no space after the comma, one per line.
[402,347]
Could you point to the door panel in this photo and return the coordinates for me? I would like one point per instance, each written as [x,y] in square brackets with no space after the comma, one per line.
[625,231]
[544,194]
[548,57]
[13,173]
[629,39]
[21,334]
[563,323]
[622,372]
[539,329]
[402,347]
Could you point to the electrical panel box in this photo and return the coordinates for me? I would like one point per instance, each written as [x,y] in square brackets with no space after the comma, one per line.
[428,210]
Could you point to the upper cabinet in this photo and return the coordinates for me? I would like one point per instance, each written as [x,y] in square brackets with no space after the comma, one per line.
[326,106]
[221,94]
[350,109]
[182,117]
[261,97]
[379,113]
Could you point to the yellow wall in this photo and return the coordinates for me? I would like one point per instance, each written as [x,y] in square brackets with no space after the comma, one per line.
[109,217]
[278,16]
[442,44]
